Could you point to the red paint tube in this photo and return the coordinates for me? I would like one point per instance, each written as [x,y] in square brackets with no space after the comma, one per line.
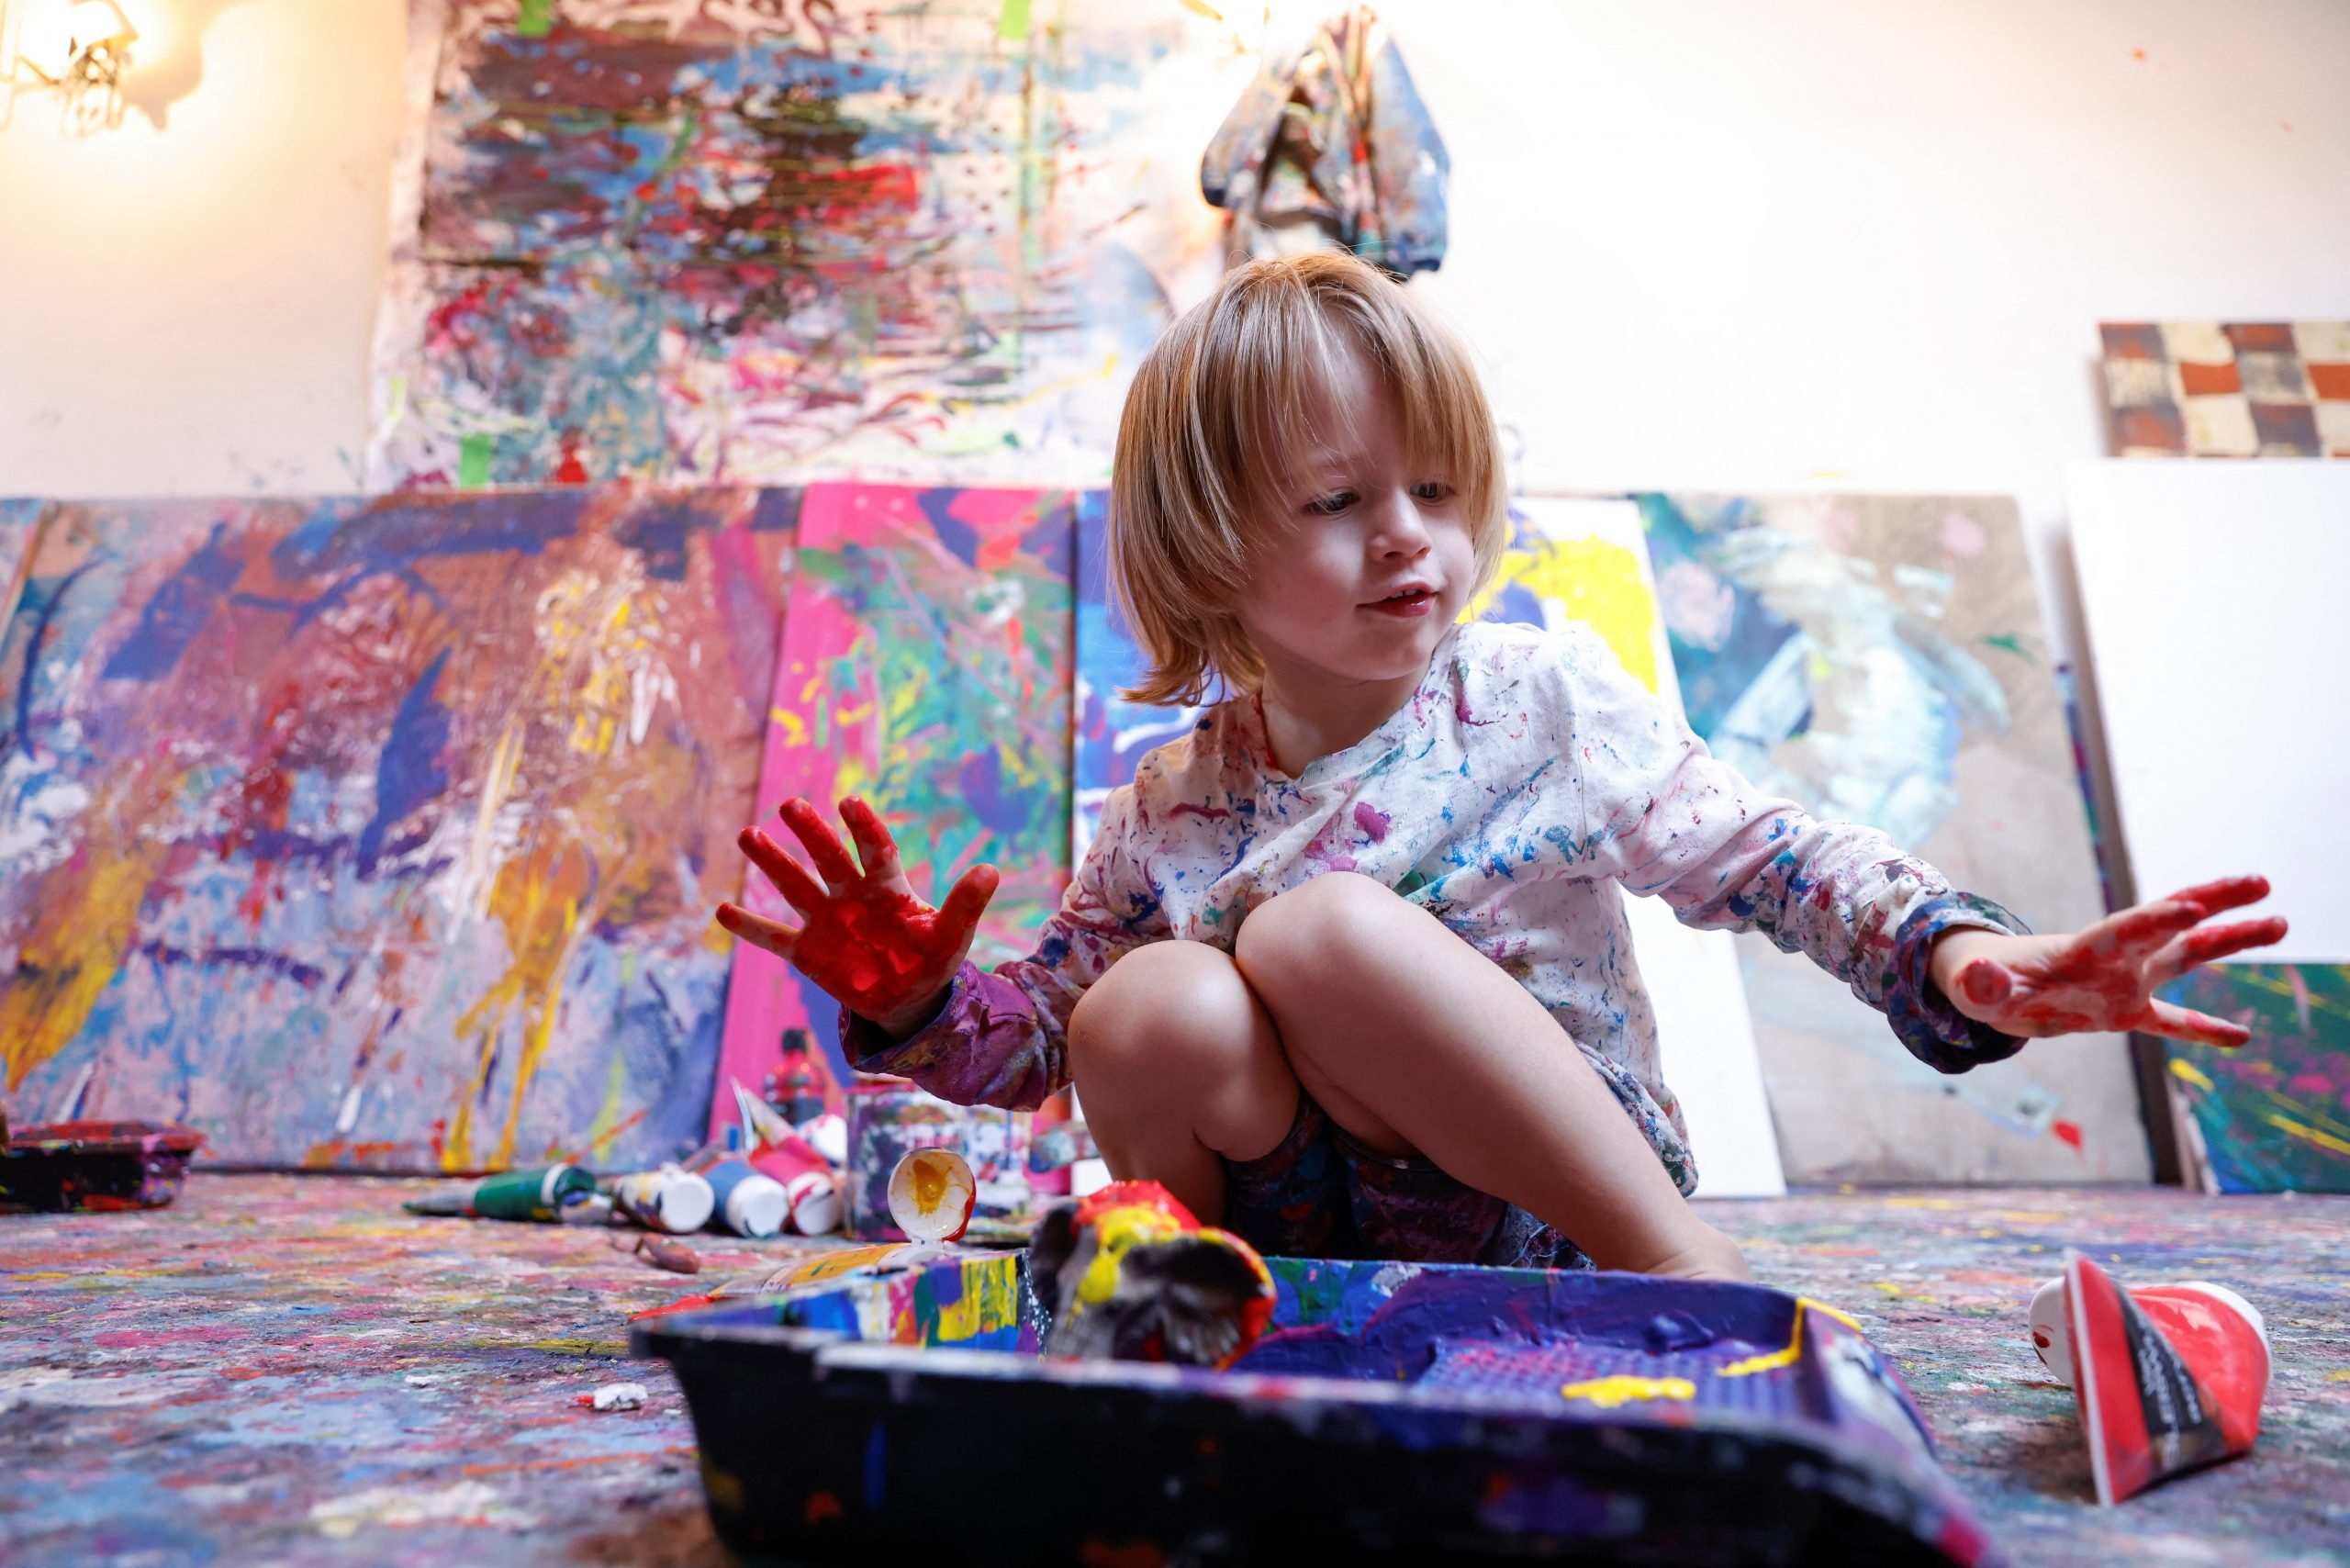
[2168,1379]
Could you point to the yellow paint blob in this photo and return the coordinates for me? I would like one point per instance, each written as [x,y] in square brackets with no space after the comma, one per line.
[1771,1360]
[2181,1067]
[1607,1393]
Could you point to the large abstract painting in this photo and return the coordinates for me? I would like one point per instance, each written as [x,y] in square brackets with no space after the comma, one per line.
[1880,660]
[705,239]
[925,668]
[2272,1115]
[383,833]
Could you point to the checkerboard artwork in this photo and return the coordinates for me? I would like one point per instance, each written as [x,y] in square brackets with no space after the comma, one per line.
[2229,390]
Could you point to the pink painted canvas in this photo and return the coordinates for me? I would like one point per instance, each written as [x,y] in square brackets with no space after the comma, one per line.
[383,833]
[926,667]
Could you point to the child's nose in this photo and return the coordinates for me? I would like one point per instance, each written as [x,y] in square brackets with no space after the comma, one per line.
[1402,529]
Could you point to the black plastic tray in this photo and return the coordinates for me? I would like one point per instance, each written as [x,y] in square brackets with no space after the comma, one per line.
[1399,1414]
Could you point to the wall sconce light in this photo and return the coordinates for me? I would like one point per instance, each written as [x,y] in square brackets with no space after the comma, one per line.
[76,49]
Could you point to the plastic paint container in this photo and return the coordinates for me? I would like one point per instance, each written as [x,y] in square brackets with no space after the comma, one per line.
[668,1199]
[748,1204]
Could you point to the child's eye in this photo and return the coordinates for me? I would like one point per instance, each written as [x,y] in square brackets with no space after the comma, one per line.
[1332,504]
[1433,490]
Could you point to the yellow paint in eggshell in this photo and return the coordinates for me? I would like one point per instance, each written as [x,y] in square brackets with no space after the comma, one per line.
[1607,1393]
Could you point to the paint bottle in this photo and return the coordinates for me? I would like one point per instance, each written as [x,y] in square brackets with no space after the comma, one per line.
[749,1203]
[793,1087]
[668,1199]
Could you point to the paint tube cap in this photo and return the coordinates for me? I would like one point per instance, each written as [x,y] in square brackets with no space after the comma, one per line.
[932,1194]
[752,1205]
[668,1199]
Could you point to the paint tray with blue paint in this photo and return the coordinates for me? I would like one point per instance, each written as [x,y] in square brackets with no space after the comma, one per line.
[1393,1414]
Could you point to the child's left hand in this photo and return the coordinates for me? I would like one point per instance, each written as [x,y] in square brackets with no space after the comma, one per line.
[2105,978]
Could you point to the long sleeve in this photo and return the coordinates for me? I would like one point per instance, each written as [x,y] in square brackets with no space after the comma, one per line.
[1673,820]
[1002,1036]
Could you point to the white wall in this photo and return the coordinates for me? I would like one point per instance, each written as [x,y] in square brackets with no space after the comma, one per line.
[1702,243]
[186,309]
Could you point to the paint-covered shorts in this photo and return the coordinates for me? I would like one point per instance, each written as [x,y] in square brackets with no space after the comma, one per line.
[1319,1194]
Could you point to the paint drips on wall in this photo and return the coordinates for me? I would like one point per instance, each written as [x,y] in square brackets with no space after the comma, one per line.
[382,833]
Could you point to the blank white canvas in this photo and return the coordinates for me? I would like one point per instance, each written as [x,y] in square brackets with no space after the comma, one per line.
[2218,602]
[1704,1035]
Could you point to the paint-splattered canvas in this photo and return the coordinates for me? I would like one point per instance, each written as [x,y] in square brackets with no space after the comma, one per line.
[1112,734]
[2228,389]
[2272,1115]
[719,239]
[925,668]
[1881,660]
[1580,559]
[383,833]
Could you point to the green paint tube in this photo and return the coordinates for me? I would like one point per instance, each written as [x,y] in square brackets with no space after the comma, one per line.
[542,1194]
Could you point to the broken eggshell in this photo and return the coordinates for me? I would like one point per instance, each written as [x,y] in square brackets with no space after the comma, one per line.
[932,1192]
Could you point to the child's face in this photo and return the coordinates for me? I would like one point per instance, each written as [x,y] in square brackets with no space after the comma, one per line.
[1373,558]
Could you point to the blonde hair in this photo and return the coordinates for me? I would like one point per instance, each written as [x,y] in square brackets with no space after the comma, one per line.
[1218,414]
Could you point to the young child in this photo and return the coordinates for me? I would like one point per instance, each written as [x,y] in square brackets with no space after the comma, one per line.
[1347,967]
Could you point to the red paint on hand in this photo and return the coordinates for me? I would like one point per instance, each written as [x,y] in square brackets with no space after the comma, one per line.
[2106,977]
[865,938]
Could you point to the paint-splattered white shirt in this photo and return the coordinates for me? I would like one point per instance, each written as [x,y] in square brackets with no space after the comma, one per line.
[1526,781]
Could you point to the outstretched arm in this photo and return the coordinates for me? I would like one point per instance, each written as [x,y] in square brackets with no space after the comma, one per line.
[2105,978]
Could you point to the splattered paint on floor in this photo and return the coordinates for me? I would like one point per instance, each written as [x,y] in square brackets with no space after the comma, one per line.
[288,1369]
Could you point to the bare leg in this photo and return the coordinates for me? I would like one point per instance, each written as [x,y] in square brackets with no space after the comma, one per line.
[1382,1010]
[1179,1068]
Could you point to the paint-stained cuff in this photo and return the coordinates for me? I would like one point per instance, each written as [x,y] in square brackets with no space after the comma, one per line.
[984,1047]
[1937,1033]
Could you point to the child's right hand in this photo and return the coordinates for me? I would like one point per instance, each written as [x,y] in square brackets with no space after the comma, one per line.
[864,936]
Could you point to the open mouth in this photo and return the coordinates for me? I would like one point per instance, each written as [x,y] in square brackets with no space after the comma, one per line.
[1412,599]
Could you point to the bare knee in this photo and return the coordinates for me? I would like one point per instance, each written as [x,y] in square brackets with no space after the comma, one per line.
[1312,935]
[1165,1017]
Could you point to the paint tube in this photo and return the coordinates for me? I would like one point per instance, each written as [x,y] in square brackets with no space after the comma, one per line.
[746,1202]
[2167,1378]
[669,1199]
[815,1197]
[546,1194]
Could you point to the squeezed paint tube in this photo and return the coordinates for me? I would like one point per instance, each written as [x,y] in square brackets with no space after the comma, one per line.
[815,1197]
[750,1203]
[546,1194]
[668,1199]
[2168,1378]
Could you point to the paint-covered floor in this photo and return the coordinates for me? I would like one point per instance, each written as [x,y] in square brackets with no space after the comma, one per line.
[290,1369]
